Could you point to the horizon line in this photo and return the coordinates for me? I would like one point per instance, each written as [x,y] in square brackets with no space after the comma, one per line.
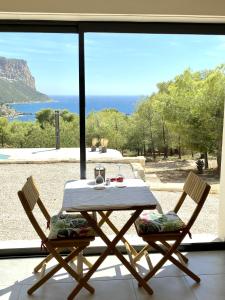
[88,95]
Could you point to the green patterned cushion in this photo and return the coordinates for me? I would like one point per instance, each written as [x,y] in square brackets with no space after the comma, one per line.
[69,226]
[152,222]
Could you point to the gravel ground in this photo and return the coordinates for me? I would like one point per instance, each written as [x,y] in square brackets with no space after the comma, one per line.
[50,179]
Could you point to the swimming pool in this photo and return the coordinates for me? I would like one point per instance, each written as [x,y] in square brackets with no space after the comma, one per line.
[4,156]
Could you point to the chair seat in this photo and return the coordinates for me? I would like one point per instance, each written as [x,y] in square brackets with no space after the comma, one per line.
[69,226]
[154,222]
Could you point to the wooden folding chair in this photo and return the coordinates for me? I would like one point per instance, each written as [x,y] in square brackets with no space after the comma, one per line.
[29,197]
[197,190]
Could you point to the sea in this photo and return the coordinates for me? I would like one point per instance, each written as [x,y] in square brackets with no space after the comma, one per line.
[124,104]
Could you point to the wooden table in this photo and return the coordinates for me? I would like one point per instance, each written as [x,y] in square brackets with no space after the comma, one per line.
[132,194]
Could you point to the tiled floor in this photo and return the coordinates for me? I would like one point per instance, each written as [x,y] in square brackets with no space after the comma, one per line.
[113,281]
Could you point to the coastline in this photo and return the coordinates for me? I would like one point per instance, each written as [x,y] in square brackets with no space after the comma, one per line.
[12,113]
[125,104]
[29,102]
[7,111]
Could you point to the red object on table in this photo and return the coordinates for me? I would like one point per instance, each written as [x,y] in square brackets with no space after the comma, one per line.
[118,179]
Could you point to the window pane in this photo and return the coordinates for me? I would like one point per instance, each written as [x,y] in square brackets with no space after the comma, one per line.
[161,97]
[38,77]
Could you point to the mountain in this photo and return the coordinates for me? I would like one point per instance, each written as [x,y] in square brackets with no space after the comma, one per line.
[17,83]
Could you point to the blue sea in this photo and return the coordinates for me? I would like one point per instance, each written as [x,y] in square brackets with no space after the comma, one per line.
[124,104]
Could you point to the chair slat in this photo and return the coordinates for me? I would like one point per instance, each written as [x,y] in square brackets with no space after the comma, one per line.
[195,187]
[30,192]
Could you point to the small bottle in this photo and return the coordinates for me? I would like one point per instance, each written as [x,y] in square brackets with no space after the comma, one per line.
[107,182]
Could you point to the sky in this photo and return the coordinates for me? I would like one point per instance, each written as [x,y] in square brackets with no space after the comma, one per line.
[115,64]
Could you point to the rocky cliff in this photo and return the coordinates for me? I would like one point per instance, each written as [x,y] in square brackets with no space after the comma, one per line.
[17,83]
[16,69]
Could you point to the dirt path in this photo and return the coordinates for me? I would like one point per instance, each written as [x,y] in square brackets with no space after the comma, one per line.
[168,171]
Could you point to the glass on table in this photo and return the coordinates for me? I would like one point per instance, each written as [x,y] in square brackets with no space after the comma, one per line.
[99,178]
[99,173]
[119,177]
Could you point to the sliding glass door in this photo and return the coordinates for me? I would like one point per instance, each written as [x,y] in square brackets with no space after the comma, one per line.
[159,97]
[139,100]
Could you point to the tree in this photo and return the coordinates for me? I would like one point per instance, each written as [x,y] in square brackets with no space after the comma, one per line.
[68,116]
[185,113]
[136,134]
[212,109]
[4,132]
[145,117]
[70,132]
[18,133]
[110,124]
[181,100]
[37,137]
[160,107]
[45,116]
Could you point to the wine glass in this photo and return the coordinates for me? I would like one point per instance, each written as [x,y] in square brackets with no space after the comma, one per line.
[119,177]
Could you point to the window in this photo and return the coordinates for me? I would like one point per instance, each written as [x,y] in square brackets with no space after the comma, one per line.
[134,91]
[39,85]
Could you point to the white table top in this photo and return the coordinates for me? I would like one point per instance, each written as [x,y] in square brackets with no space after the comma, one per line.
[80,195]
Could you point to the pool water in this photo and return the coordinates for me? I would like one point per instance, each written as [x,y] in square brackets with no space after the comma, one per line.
[4,156]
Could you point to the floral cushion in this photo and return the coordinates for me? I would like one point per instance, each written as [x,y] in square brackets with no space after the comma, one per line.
[152,222]
[68,226]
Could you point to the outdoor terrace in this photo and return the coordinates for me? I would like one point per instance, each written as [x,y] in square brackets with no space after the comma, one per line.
[51,168]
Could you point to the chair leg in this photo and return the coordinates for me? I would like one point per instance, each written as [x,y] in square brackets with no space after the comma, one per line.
[50,256]
[162,261]
[80,264]
[141,253]
[65,265]
[178,253]
[182,258]
[105,219]
[168,256]
[47,276]
[62,263]
[127,246]
[46,260]
[149,262]
[85,261]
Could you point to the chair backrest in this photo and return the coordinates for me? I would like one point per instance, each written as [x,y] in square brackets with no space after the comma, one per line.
[30,192]
[29,197]
[197,189]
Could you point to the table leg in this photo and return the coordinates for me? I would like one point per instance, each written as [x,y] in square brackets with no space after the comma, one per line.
[106,215]
[105,219]
[111,249]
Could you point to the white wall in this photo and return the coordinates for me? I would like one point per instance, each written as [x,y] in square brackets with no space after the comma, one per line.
[222,191]
[179,7]
[128,7]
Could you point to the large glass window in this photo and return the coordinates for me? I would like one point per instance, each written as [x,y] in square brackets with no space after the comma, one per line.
[39,122]
[159,97]
[154,110]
